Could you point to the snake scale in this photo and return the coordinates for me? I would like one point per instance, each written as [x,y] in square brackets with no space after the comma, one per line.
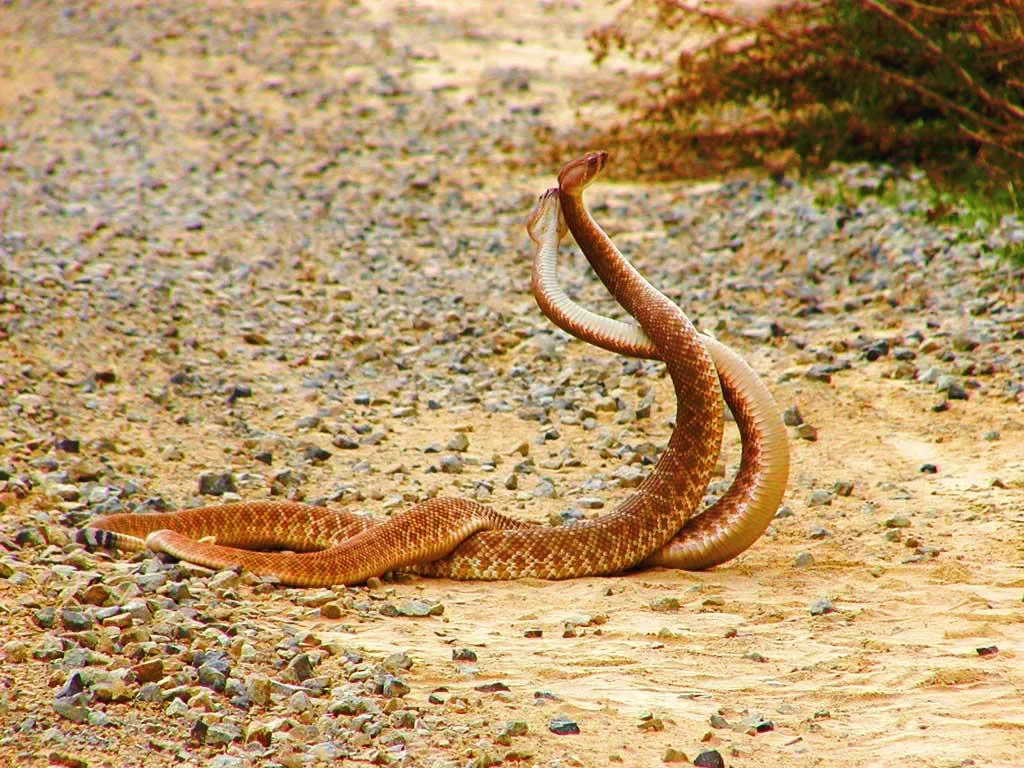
[459,538]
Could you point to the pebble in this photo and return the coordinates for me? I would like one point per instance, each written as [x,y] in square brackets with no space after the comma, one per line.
[842,488]
[563,726]
[149,671]
[75,620]
[791,417]
[299,669]
[217,483]
[315,454]
[420,608]
[822,606]
[807,432]
[820,499]
[709,758]
[451,464]
[754,724]
[628,477]
[459,443]
[664,604]
[393,687]
[952,388]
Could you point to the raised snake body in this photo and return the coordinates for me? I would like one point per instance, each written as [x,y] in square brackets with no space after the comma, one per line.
[462,539]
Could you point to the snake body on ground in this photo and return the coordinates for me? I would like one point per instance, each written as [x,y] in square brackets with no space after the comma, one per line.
[460,538]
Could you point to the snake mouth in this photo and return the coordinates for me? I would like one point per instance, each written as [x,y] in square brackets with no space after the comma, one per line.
[578,173]
[545,202]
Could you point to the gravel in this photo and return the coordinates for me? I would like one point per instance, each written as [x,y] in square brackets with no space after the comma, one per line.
[204,283]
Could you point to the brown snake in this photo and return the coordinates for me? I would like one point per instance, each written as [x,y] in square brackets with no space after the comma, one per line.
[463,539]
[740,516]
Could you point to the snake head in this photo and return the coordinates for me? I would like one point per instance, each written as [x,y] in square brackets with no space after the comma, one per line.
[546,217]
[576,175]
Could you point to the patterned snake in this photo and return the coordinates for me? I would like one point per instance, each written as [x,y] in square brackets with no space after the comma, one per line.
[458,538]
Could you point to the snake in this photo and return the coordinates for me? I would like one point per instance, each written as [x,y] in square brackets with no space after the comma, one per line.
[460,538]
[736,520]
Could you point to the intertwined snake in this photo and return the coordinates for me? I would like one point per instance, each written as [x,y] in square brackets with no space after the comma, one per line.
[459,538]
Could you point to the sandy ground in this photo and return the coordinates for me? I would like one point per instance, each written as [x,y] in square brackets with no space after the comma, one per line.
[891,677]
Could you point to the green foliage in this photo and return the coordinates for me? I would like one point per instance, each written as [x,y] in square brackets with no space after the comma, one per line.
[938,83]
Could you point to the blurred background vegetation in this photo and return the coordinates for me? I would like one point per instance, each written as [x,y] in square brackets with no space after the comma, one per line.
[793,86]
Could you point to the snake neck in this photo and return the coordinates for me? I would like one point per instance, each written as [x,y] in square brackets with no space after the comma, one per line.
[628,286]
[685,467]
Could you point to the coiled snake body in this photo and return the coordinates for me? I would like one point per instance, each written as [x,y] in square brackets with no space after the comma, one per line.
[459,538]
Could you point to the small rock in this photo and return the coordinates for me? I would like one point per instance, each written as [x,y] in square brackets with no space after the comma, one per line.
[459,443]
[807,432]
[315,454]
[149,671]
[299,702]
[217,483]
[259,688]
[842,487]
[516,728]
[952,388]
[299,669]
[451,464]
[664,604]
[819,372]
[349,705]
[628,477]
[344,442]
[563,726]
[331,611]
[822,606]
[803,560]
[72,708]
[791,417]
[85,472]
[820,499]
[756,724]
[316,599]
[75,620]
[709,758]
[420,608]
[212,678]
[673,755]
[192,222]
[393,687]
[463,654]
[650,723]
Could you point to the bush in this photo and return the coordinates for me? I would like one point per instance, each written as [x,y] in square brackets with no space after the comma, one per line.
[939,83]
